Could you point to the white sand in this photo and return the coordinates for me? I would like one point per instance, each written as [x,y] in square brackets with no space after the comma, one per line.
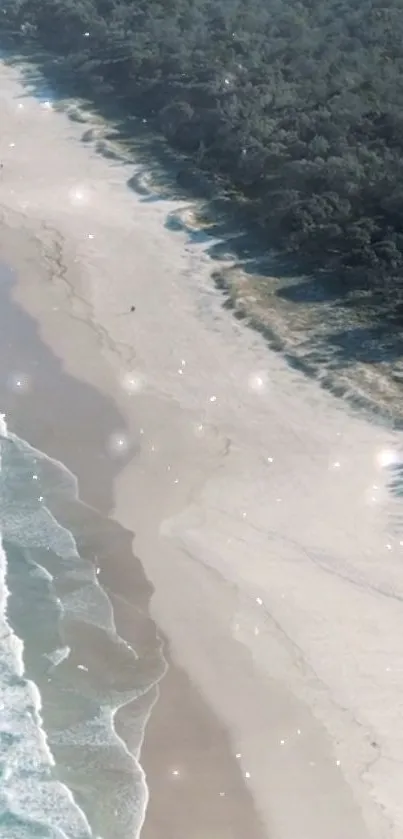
[260,504]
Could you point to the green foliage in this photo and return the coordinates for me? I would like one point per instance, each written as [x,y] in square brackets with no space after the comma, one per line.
[297,105]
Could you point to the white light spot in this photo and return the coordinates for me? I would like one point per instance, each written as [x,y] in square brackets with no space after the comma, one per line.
[183,362]
[388,546]
[118,443]
[141,430]
[222,794]
[213,399]
[180,371]
[169,467]
[270,459]
[20,106]
[86,34]
[336,464]
[247,774]
[90,236]
[98,571]
[282,742]
[298,731]
[337,763]
[81,667]
[11,145]
[131,382]
[47,105]
[19,382]
[79,195]
[244,515]
[257,630]
[259,601]
[176,481]
[386,457]
[34,477]
[372,494]
[175,772]
[238,756]
[40,498]
[257,381]
[279,499]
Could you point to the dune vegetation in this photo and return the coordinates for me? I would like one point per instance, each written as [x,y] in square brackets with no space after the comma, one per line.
[297,108]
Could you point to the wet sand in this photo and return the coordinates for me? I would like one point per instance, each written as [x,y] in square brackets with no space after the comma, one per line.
[260,505]
[70,422]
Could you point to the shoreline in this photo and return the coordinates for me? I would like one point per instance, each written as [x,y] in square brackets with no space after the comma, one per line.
[204,751]
[237,457]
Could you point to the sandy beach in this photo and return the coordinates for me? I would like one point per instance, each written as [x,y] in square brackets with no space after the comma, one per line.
[263,512]
[57,414]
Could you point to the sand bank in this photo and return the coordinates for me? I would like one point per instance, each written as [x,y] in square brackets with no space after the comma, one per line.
[261,506]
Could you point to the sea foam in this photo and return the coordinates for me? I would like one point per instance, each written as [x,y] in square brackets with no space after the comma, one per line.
[34,802]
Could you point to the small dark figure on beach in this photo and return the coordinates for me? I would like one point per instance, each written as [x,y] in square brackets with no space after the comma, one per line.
[132,308]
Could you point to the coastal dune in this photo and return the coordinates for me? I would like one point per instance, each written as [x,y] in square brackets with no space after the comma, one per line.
[262,508]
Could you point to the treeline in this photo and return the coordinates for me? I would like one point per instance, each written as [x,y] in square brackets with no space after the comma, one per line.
[297,105]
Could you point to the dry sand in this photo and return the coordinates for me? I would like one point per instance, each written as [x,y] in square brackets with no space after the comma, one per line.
[261,506]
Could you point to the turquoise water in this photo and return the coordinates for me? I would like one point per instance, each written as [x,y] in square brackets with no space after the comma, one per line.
[64,671]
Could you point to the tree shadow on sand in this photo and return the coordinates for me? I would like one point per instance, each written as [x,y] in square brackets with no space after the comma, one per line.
[216,218]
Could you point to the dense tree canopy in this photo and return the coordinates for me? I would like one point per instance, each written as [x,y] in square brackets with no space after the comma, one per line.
[297,105]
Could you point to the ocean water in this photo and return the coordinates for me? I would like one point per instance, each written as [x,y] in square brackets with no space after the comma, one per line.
[65,773]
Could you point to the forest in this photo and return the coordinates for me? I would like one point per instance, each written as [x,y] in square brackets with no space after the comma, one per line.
[297,107]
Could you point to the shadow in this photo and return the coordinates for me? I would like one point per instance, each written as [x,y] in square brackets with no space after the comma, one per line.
[330,358]
[312,291]
[162,173]
[395,489]
[395,483]
[365,344]
[225,226]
